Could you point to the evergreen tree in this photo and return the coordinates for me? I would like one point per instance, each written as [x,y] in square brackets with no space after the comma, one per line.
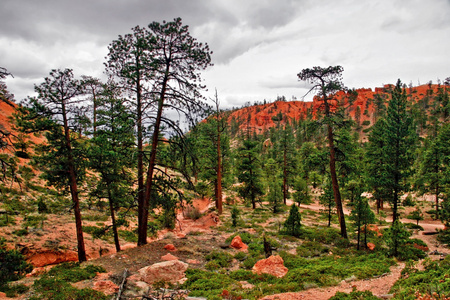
[328,81]
[62,159]
[292,225]
[212,154]
[361,215]
[376,164]
[400,137]
[327,200]
[275,195]
[287,158]
[443,146]
[249,172]
[166,69]
[301,194]
[111,154]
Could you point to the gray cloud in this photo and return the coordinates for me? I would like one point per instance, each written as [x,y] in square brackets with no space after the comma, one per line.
[259,45]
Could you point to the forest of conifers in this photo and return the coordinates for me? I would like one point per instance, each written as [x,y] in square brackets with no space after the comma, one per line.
[147,139]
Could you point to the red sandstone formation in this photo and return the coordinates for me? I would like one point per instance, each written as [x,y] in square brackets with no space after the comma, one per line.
[359,106]
[170,247]
[274,265]
[237,243]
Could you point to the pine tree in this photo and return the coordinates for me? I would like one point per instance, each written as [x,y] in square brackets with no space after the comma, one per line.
[397,152]
[249,172]
[328,81]
[287,158]
[62,159]
[361,215]
[327,200]
[376,164]
[111,154]
[292,225]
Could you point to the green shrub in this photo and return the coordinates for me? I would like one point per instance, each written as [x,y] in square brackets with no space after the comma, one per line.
[444,236]
[311,249]
[433,279]
[250,261]
[95,231]
[354,295]
[21,232]
[240,256]
[129,236]
[327,235]
[234,215]
[408,201]
[399,244]
[221,259]
[208,284]
[246,237]
[72,272]
[58,289]
[292,225]
[193,213]
[413,226]
[12,264]
[12,290]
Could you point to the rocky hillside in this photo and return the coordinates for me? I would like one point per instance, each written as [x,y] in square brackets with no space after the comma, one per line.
[360,104]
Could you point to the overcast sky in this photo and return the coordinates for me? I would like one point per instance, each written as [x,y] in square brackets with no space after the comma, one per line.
[259,45]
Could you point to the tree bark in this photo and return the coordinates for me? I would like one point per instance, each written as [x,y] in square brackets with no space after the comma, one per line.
[74,189]
[219,173]
[335,184]
[113,220]
[142,238]
[151,167]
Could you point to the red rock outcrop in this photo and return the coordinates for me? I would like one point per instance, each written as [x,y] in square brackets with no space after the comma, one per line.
[359,105]
[238,244]
[169,271]
[107,287]
[168,257]
[170,247]
[50,257]
[274,265]
[371,246]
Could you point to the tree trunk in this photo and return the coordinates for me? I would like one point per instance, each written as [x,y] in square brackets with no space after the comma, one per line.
[113,219]
[284,177]
[151,167]
[436,192]
[219,170]
[334,181]
[142,237]
[74,190]
[359,233]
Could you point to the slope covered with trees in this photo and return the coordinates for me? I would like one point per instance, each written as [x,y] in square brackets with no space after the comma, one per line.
[114,149]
